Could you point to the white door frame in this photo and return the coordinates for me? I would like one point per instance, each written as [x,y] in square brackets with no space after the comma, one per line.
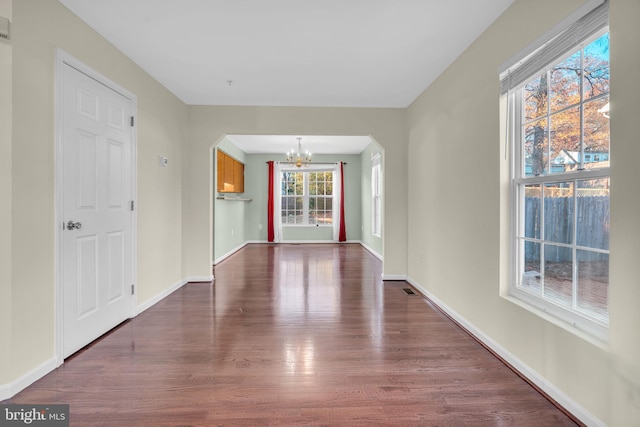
[63,59]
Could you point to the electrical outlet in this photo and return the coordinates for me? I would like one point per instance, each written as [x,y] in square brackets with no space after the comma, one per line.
[232,232]
[259,226]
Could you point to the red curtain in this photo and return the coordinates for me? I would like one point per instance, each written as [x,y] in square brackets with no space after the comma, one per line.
[270,205]
[342,236]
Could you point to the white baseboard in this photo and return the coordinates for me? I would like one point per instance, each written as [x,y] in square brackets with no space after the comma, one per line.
[551,390]
[394,277]
[371,250]
[228,254]
[162,295]
[199,279]
[7,391]
[289,242]
[159,297]
[361,243]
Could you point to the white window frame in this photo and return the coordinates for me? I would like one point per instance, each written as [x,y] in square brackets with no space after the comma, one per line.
[306,197]
[376,195]
[513,77]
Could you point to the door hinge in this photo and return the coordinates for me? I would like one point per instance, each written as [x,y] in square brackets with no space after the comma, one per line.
[133,289]
[132,205]
[131,121]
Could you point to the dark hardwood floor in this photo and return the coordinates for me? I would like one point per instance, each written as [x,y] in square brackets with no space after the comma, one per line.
[303,335]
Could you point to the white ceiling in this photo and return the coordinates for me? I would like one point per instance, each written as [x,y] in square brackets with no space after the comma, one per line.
[338,53]
[281,144]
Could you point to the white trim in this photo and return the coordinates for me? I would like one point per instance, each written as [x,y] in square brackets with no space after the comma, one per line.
[376,196]
[277,202]
[7,391]
[265,242]
[62,58]
[562,176]
[587,7]
[334,168]
[317,241]
[569,318]
[200,279]
[228,254]
[160,296]
[558,395]
[371,250]
[393,277]
[310,167]
[307,225]
[584,329]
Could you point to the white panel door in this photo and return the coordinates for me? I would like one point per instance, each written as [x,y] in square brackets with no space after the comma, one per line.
[97,240]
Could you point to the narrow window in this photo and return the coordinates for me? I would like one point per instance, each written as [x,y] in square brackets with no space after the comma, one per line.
[376,195]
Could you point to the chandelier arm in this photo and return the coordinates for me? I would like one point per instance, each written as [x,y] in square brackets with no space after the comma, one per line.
[299,158]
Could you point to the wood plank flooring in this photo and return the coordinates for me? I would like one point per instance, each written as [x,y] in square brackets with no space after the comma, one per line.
[292,335]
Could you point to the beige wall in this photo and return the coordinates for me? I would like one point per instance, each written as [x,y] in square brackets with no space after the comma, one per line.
[5,195]
[208,124]
[624,380]
[457,182]
[39,27]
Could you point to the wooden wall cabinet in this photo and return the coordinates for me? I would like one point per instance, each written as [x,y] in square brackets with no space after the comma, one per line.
[230,174]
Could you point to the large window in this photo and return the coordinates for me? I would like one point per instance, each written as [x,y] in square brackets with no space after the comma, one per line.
[307,198]
[559,116]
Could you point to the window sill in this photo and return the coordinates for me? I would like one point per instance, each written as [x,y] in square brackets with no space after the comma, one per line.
[307,225]
[583,328]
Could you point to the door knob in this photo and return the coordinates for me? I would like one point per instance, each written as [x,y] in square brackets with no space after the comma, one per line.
[74,225]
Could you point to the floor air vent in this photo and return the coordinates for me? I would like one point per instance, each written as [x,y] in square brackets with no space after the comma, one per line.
[408,291]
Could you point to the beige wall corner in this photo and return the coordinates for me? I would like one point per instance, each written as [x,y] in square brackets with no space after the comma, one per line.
[5,200]
[624,292]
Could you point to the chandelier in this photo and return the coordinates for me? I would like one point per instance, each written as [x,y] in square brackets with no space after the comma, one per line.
[300,158]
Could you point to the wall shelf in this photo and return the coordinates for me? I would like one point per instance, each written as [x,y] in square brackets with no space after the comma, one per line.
[234,199]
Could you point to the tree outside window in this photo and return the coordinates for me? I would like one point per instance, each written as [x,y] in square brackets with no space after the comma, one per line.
[307,198]
[561,183]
